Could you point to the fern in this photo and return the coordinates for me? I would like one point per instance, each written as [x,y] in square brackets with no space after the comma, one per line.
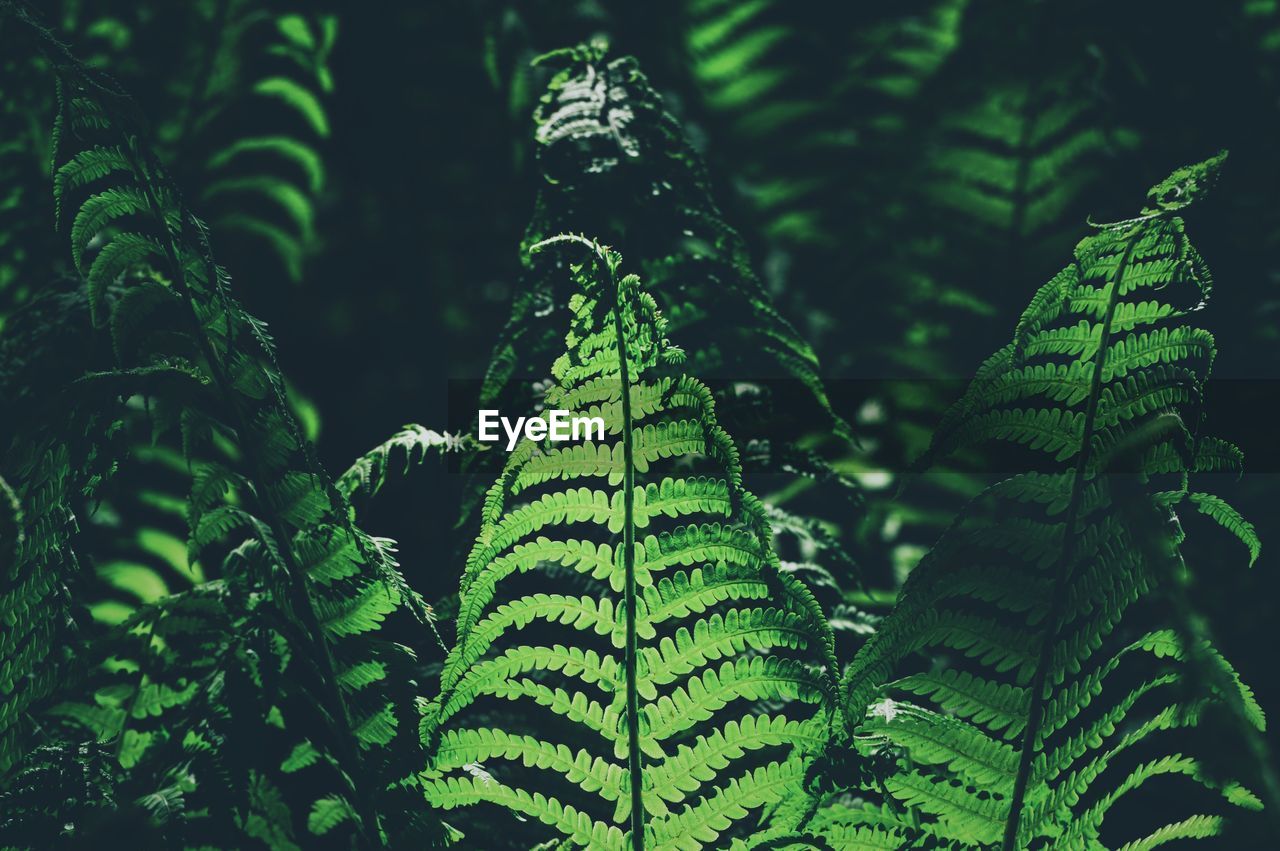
[218,723]
[369,472]
[689,613]
[1048,710]
[615,162]
[798,159]
[240,113]
[825,152]
[50,476]
[78,777]
[138,535]
[1013,164]
[336,590]
[265,184]
[203,648]
[135,537]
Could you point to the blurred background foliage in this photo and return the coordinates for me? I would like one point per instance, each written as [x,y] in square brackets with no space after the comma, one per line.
[904,175]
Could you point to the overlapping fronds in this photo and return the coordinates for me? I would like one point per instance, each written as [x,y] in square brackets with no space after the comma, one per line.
[51,471]
[219,720]
[78,778]
[617,164]
[201,646]
[630,722]
[240,115]
[795,155]
[155,291]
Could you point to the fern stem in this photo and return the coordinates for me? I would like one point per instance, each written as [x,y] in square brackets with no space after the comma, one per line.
[634,767]
[1063,567]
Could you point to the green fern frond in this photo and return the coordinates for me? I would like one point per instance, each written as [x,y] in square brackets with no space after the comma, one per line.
[1221,511]
[690,615]
[1010,744]
[796,156]
[1015,158]
[58,791]
[263,186]
[618,164]
[37,652]
[369,472]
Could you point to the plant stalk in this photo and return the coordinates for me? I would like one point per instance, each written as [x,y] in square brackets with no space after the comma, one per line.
[1063,566]
[634,767]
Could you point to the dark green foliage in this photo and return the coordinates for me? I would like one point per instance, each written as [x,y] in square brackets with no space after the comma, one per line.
[78,777]
[51,476]
[1014,161]
[242,116]
[802,162]
[26,242]
[240,119]
[262,185]
[616,164]
[331,594]
[668,637]
[369,472]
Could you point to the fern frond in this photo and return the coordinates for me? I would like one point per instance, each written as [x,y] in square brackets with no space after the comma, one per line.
[678,561]
[55,791]
[611,153]
[1009,742]
[369,472]
[796,157]
[263,186]
[1014,158]
[1221,511]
